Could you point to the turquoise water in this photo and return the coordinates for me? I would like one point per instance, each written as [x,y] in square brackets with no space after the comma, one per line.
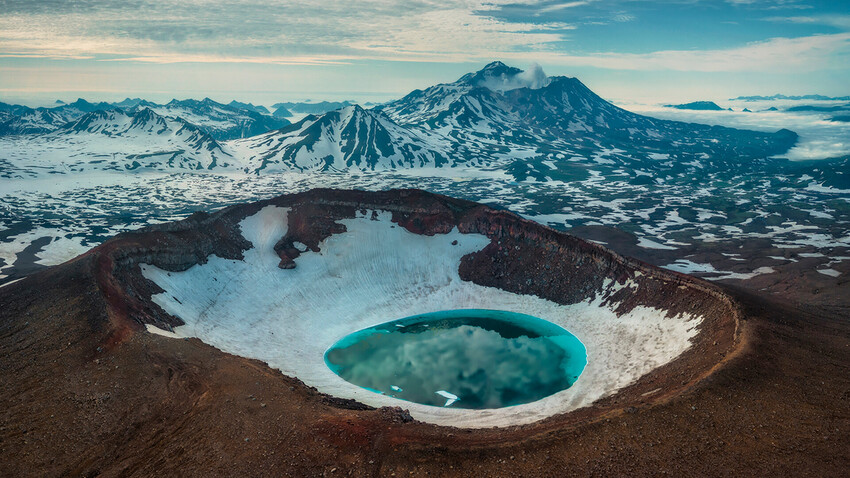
[469,358]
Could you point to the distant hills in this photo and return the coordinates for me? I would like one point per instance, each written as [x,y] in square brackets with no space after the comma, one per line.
[820,109]
[286,110]
[698,105]
[806,108]
[786,97]
[222,122]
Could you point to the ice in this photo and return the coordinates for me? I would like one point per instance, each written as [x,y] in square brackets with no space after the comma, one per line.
[451,398]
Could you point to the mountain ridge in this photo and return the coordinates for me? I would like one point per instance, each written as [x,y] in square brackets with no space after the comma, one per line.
[525,123]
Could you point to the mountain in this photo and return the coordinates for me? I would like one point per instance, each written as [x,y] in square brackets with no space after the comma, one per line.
[18,119]
[131,103]
[311,108]
[526,123]
[222,122]
[281,112]
[30,121]
[523,123]
[819,108]
[125,140]
[84,106]
[349,138]
[250,107]
[541,118]
[698,106]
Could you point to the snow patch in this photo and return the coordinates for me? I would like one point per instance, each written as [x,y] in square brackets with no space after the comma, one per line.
[60,250]
[156,330]
[649,244]
[11,281]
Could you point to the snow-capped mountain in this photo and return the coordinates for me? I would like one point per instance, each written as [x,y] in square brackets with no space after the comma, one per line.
[220,121]
[523,123]
[349,138]
[128,103]
[250,107]
[23,120]
[501,105]
[17,119]
[432,106]
[118,140]
[312,108]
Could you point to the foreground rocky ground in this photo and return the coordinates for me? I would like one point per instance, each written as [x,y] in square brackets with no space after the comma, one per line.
[87,393]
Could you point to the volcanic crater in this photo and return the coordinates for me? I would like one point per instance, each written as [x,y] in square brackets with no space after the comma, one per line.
[244,302]
[282,280]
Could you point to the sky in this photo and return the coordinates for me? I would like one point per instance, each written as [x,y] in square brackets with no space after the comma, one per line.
[267,51]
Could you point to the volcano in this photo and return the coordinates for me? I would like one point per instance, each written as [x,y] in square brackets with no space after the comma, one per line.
[196,348]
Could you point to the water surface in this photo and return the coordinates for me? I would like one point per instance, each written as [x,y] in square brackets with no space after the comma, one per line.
[469,358]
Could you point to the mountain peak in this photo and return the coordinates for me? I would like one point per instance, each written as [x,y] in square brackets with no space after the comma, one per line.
[498,67]
[145,112]
[498,76]
[495,69]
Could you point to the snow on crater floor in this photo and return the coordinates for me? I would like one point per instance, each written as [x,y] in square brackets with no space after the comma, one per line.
[376,272]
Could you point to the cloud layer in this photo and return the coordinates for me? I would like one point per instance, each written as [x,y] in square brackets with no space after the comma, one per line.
[249,30]
[337,31]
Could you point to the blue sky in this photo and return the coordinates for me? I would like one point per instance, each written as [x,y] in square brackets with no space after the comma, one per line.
[267,51]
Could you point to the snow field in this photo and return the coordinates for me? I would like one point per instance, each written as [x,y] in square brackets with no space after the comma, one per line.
[377,272]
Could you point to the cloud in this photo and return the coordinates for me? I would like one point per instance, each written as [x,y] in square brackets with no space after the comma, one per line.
[623,17]
[764,3]
[449,30]
[774,55]
[838,21]
[335,31]
[533,77]
[560,6]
